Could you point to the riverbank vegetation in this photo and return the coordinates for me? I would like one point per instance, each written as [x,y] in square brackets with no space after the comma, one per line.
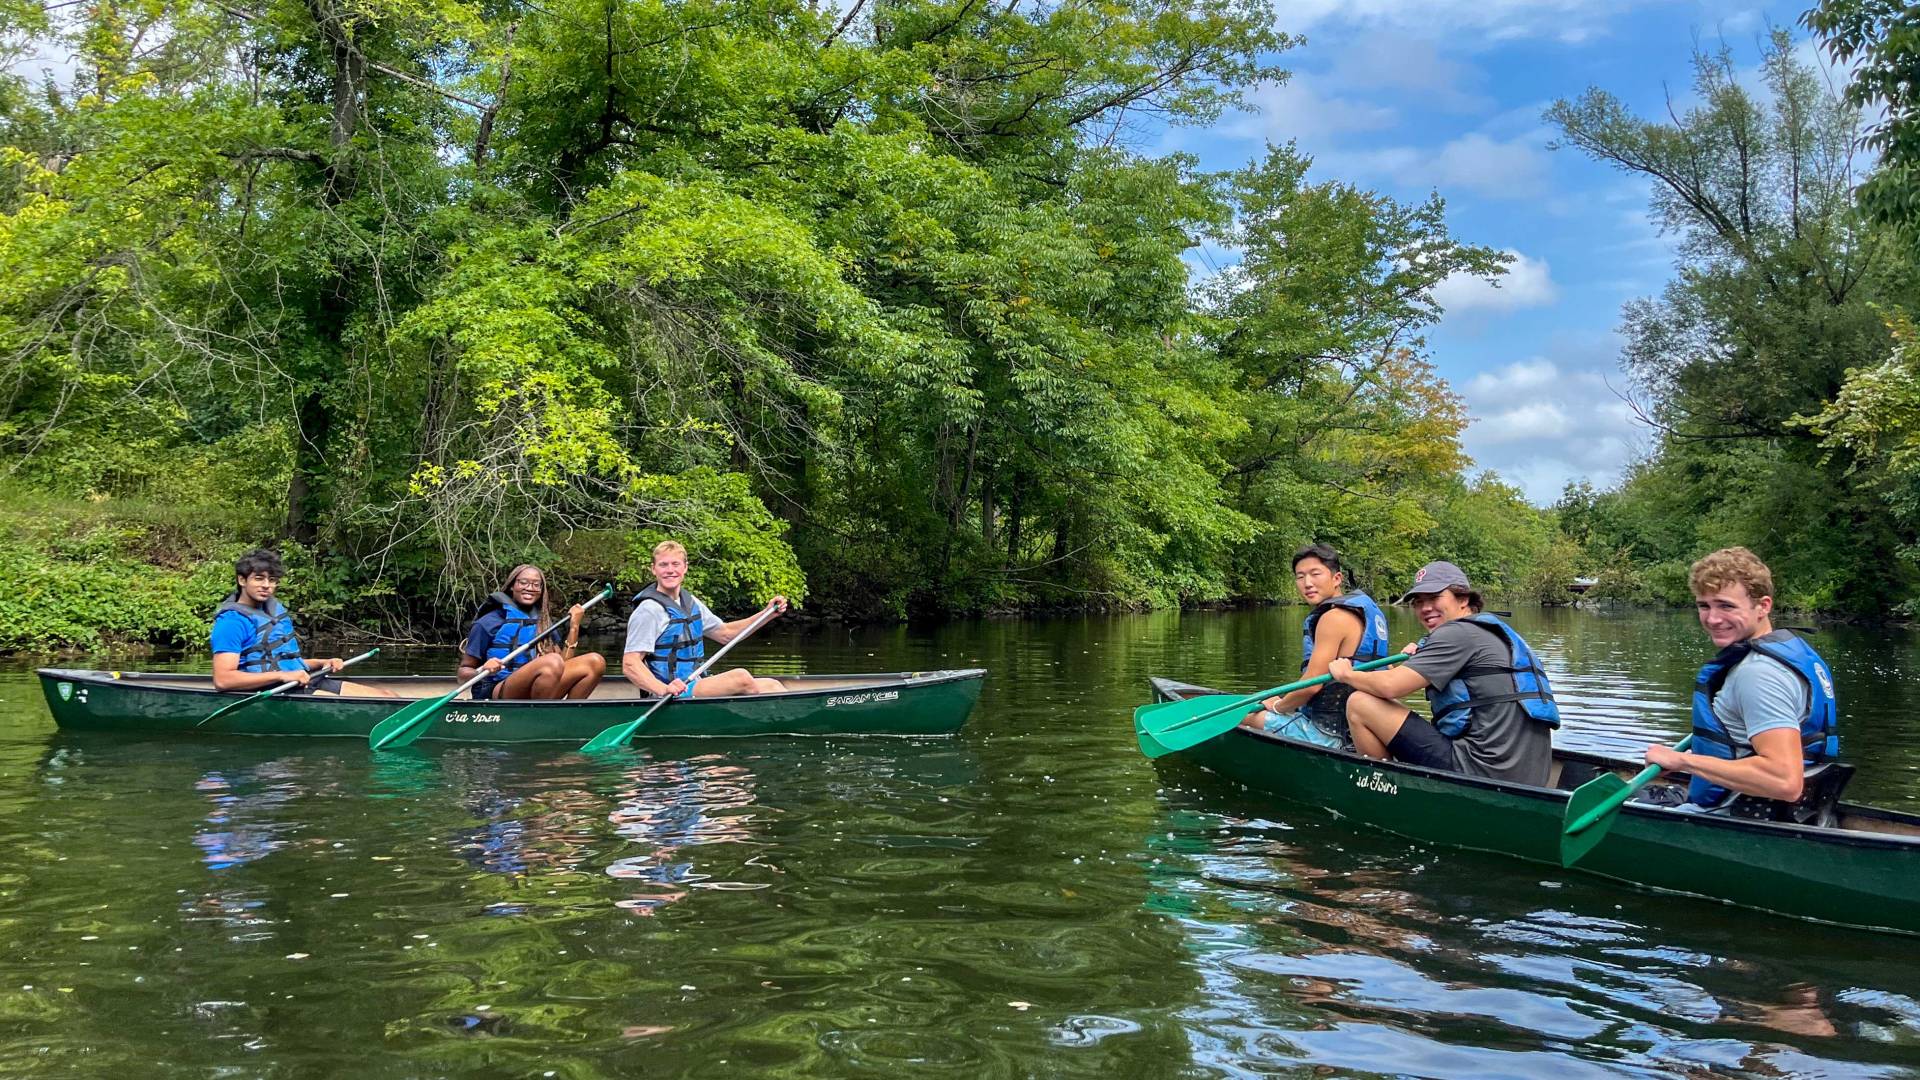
[873,305]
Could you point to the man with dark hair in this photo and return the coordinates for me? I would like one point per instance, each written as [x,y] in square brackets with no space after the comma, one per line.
[1493,709]
[1340,624]
[254,646]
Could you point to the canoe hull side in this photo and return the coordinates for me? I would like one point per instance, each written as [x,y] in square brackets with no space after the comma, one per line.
[1852,879]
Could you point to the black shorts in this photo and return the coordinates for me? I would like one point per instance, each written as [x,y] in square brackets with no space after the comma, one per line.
[1420,743]
[320,682]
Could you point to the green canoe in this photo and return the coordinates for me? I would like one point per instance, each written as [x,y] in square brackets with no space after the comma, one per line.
[1863,872]
[905,703]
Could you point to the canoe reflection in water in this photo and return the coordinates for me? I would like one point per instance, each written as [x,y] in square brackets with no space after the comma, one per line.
[672,805]
[1316,942]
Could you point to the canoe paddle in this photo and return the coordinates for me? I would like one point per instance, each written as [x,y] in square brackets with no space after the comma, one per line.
[617,736]
[411,722]
[234,706]
[1167,726]
[1596,803]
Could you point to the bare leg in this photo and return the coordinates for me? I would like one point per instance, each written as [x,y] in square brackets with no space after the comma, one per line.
[733,684]
[359,689]
[538,678]
[1374,722]
[581,674]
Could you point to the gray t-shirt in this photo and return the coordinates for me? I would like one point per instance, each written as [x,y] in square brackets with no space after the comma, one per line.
[649,621]
[1503,742]
[1760,694]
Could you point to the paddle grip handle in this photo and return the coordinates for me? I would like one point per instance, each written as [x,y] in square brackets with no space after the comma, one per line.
[1614,801]
[1291,687]
[537,639]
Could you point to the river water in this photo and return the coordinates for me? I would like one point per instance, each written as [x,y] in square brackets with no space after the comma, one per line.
[1032,898]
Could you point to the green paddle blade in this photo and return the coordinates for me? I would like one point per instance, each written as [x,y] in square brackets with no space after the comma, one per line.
[1586,798]
[1594,805]
[408,724]
[612,738]
[1176,725]
[617,736]
[232,705]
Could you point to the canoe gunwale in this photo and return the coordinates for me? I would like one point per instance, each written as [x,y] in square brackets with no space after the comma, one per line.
[1167,689]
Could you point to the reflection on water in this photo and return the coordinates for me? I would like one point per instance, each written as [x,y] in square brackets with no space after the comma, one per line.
[1032,898]
[671,805]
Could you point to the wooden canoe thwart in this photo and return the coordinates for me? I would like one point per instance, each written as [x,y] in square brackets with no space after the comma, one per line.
[1862,872]
[919,703]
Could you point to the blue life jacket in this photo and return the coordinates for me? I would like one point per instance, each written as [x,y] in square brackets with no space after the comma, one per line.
[1453,705]
[677,652]
[1819,728]
[274,648]
[1373,627]
[1328,708]
[519,627]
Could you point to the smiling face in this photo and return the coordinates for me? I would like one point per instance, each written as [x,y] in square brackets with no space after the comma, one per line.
[1436,608]
[527,588]
[670,569]
[1731,614]
[1315,581]
[258,587]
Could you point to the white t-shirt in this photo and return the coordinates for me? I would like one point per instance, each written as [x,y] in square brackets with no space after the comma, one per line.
[649,621]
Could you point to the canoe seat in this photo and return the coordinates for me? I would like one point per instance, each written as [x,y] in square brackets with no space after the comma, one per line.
[1569,775]
[1818,805]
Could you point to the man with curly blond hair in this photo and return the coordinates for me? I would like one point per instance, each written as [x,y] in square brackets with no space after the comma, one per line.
[1764,710]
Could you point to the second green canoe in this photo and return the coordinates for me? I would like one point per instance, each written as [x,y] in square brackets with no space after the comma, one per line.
[1863,872]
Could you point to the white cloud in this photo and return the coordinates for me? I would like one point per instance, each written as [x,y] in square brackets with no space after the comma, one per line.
[1540,423]
[1527,283]
[1476,162]
[1412,67]
[1301,108]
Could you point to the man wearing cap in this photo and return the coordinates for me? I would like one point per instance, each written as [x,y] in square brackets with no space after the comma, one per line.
[1493,710]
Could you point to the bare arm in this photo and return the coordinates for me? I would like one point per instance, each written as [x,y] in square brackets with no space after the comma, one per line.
[726,632]
[228,676]
[471,665]
[634,666]
[1775,771]
[1331,639]
[1391,683]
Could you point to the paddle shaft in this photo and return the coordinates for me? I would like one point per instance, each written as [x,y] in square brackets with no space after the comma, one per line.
[344,665]
[619,736]
[1289,688]
[288,685]
[1617,799]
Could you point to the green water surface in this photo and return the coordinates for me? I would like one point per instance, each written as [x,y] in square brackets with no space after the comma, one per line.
[1033,898]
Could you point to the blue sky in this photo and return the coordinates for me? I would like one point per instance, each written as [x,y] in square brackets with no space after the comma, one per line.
[1412,96]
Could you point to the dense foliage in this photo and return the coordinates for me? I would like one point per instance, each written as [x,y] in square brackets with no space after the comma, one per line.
[872,304]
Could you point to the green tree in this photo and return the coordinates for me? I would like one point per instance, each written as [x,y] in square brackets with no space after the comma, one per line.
[1777,296]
